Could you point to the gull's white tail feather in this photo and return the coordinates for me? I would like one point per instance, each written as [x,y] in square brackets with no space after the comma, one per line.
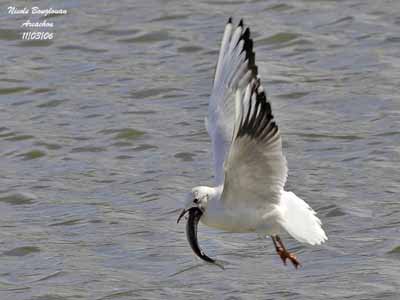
[300,220]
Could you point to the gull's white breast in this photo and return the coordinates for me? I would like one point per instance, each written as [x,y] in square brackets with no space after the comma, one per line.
[241,219]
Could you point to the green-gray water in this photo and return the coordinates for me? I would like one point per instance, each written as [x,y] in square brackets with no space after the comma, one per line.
[102,134]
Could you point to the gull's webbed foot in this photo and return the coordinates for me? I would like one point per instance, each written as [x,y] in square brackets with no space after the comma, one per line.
[283,253]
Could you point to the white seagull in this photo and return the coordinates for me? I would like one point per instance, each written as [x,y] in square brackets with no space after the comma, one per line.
[250,168]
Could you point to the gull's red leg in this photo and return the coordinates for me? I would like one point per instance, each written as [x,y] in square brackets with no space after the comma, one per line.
[283,253]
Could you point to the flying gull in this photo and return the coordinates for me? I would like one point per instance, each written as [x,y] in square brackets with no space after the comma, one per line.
[250,168]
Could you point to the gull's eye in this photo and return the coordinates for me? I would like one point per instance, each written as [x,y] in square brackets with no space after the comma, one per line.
[196,200]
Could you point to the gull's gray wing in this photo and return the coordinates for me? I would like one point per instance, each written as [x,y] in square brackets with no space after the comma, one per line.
[235,68]
[255,169]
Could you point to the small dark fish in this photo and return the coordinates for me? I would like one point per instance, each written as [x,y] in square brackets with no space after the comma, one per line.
[191,233]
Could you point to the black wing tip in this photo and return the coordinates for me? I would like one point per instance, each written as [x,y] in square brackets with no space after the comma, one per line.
[258,125]
[254,70]
[248,45]
[246,34]
[250,54]
[230,20]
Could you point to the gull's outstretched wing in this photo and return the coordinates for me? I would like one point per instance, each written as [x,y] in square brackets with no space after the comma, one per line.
[255,169]
[235,68]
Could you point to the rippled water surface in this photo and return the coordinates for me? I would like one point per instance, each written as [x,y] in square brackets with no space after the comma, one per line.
[102,134]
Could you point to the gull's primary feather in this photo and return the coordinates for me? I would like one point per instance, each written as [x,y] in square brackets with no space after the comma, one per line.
[235,67]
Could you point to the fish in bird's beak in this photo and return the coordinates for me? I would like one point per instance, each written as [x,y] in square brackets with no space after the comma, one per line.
[184,211]
[195,214]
